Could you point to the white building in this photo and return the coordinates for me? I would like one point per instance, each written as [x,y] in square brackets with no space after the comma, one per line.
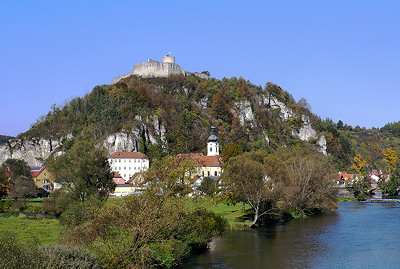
[128,163]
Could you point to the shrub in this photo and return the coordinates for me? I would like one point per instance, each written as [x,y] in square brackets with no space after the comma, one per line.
[28,254]
[5,205]
[65,256]
[15,254]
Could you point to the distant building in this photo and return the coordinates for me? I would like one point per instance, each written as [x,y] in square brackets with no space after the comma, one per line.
[43,179]
[153,68]
[117,178]
[126,164]
[210,165]
[122,190]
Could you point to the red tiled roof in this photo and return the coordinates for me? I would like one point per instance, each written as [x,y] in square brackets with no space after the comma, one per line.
[116,175]
[35,172]
[202,161]
[129,155]
[346,177]
[210,161]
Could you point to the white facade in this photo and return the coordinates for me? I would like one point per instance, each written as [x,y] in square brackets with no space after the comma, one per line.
[127,166]
[212,144]
[213,148]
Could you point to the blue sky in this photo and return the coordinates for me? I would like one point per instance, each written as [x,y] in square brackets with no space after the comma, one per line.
[342,56]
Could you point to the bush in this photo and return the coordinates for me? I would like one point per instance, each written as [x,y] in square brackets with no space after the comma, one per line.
[65,256]
[28,254]
[5,205]
[15,254]
[19,205]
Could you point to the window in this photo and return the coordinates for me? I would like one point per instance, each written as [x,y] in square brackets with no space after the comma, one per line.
[208,173]
[129,160]
[210,149]
[202,173]
[119,160]
[124,167]
[215,173]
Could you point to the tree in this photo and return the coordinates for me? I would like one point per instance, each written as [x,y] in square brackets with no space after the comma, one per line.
[360,187]
[340,124]
[22,187]
[246,178]
[359,164]
[15,168]
[171,176]
[83,171]
[209,186]
[15,174]
[391,158]
[309,184]
[205,72]
[4,183]
[155,228]
[304,105]
[389,188]
[231,150]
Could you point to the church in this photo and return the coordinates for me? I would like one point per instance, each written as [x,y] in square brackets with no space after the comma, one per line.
[210,165]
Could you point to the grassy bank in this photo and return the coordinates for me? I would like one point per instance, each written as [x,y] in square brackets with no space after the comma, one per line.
[41,229]
[237,218]
[47,230]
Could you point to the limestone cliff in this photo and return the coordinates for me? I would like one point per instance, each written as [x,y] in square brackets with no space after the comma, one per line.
[171,115]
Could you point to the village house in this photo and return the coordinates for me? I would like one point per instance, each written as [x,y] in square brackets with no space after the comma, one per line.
[126,164]
[43,179]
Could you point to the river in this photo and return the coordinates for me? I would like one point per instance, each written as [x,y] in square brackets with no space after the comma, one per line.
[356,235]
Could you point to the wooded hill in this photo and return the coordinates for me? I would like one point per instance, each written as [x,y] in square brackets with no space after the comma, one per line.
[247,116]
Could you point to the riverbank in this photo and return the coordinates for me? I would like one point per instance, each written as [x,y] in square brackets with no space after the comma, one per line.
[356,235]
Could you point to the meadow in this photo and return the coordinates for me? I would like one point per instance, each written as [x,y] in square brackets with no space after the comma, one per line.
[47,230]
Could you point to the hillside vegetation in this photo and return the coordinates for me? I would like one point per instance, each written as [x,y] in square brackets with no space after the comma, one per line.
[186,107]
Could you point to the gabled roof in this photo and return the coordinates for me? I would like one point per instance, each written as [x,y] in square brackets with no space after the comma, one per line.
[116,175]
[128,155]
[36,170]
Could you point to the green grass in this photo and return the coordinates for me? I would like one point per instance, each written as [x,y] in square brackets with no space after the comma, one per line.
[44,230]
[114,201]
[236,218]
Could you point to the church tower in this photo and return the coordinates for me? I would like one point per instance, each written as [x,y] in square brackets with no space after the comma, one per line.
[212,144]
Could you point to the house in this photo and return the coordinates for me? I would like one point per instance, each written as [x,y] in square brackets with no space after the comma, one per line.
[206,166]
[126,164]
[344,178]
[122,190]
[117,178]
[43,179]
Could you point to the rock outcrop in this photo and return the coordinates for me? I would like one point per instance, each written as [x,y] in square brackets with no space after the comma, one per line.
[245,113]
[33,151]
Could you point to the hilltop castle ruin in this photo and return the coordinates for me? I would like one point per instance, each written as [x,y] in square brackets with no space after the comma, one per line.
[158,69]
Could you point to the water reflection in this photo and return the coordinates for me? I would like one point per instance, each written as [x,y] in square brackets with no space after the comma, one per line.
[357,235]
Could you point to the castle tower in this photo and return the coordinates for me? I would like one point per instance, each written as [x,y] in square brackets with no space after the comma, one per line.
[212,144]
[168,59]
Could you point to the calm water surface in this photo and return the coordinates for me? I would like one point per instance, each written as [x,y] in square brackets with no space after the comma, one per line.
[357,235]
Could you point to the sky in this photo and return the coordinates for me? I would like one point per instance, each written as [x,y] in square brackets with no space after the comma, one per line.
[343,57]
